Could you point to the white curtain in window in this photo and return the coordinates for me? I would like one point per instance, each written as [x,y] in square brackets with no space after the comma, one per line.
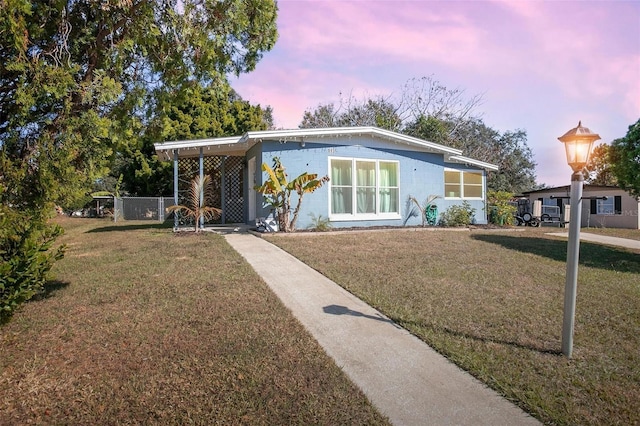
[366,186]
[388,187]
[341,192]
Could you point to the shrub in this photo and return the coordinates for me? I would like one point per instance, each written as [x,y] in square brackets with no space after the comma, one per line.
[25,258]
[319,223]
[501,211]
[458,215]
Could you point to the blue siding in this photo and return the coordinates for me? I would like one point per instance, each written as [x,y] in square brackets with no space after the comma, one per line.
[421,175]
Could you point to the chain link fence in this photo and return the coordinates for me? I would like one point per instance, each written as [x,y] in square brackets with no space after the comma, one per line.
[142,208]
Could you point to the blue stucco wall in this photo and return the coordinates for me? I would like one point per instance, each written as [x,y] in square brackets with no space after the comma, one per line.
[421,175]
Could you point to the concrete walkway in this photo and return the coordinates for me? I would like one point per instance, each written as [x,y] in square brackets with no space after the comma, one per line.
[602,239]
[402,376]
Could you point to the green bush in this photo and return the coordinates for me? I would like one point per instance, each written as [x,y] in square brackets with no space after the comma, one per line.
[26,256]
[458,215]
[501,210]
[319,223]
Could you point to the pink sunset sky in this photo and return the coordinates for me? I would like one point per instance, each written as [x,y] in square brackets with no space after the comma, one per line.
[540,66]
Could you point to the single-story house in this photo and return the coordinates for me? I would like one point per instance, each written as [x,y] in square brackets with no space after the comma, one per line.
[602,206]
[372,172]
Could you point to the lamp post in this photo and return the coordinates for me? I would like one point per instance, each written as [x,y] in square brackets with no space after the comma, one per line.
[577,142]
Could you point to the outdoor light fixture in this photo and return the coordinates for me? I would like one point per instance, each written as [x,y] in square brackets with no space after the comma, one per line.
[578,142]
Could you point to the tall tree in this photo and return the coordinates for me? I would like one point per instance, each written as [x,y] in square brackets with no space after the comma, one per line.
[625,160]
[508,150]
[430,111]
[197,112]
[428,97]
[79,79]
[599,167]
[429,128]
[378,112]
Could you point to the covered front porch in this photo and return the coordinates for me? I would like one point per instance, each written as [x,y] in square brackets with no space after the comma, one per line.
[227,173]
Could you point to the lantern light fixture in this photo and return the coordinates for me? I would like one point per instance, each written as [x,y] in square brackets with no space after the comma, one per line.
[578,143]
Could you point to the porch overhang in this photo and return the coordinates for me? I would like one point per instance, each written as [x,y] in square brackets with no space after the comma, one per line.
[210,147]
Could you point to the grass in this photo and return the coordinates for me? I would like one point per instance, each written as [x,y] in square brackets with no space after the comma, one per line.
[492,302]
[632,234]
[145,326]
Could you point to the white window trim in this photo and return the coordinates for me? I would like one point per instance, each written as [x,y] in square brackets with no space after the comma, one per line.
[363,216]
[462,171]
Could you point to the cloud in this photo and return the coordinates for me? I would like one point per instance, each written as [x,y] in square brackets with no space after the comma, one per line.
[378,31]
[541,65]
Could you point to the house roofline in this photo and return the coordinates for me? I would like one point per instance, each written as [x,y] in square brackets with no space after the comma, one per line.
[240,144]
[568,187]
[466,160]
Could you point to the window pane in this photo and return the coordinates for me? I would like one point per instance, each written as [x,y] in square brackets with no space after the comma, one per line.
[341,200]
[340,172]
[605,206]
[472,178]
[388,174]
[472,191]
[366,202]
[389,200]
[451,177]
[452,190]
[365,173]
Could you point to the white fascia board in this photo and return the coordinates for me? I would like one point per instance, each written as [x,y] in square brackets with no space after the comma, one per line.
[299,134]
[240,143]
[165,149]
[197,143]
[410,140]
[466,160]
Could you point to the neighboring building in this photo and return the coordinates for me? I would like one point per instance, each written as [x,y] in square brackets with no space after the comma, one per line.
[618,210]
[372,173]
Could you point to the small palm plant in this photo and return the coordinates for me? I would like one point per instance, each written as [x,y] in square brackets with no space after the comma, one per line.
[424,209]
[198,196]
[319,223]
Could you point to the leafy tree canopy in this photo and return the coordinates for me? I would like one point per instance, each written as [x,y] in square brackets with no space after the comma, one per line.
[197,112]
[378,112]
[428,110]
[79,78]
[599,170]
[625,160]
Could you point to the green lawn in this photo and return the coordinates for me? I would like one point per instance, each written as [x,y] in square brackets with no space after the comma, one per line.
[145,326]
[492,302]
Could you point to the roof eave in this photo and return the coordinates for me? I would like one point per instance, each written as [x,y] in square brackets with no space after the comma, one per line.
[239,144]
[466,160]
[299,134]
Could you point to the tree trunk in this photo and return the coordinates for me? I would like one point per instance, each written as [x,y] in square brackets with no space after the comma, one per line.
[283,220]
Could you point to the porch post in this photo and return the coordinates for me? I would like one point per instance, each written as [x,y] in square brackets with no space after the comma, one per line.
[201,165]
[175,186]
[223,179]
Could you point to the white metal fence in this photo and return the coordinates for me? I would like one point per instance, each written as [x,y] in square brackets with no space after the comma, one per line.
[141,208]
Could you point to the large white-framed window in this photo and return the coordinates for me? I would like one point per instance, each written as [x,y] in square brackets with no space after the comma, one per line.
[363,189]
[465,184]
